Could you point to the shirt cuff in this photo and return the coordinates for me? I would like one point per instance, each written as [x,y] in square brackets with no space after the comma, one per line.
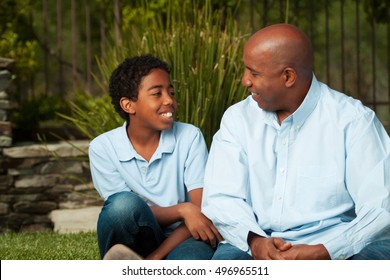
[340,248]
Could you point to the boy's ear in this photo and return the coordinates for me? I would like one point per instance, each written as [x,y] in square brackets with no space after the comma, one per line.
[127,105]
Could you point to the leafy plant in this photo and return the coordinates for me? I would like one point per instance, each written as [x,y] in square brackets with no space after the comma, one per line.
[92,116]
[15,42]
[31,113]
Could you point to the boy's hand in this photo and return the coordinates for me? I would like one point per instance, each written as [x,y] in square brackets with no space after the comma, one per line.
[199,225]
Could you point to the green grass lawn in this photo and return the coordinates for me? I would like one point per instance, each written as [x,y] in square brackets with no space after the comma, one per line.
[49,246]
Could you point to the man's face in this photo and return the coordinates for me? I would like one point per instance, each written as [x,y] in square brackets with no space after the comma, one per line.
[264,80]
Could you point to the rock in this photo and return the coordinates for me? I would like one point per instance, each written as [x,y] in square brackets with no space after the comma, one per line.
[75,220]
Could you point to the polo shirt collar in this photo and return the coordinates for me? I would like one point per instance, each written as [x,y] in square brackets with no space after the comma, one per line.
[127,152]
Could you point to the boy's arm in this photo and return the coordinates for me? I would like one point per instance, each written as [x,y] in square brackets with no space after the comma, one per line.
[198,224]
[166,216]
[195,224]
[180,234]
[189,212]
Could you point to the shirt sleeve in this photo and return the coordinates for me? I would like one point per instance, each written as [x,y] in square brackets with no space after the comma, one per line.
[105,175]
[225,197]
[367,179]
[195,162]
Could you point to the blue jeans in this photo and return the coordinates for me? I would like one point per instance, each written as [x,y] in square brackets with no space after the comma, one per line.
[378,250]
[126,219]
[226,251]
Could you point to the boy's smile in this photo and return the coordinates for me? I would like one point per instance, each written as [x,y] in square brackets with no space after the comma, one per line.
[167,115]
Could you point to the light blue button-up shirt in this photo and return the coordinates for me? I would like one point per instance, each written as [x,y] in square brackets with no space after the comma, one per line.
[176,167]
[302,180]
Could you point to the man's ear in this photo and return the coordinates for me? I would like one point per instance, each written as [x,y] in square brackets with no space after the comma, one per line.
[290,76]
[127,105]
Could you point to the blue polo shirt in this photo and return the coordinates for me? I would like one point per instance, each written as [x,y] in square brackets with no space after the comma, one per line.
[176,167]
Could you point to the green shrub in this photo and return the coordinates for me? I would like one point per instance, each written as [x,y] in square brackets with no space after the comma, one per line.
[92,116]
[31,115]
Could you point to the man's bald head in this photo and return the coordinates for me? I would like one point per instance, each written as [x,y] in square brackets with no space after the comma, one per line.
[284,45]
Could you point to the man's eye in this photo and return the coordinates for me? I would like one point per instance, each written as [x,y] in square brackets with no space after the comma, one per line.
[172,93]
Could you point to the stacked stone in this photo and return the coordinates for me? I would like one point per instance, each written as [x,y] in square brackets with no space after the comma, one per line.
[5,128]
[6,66]
[43,178]
[38,179]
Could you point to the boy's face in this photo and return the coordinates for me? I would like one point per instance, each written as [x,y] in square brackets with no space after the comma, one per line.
[155,106]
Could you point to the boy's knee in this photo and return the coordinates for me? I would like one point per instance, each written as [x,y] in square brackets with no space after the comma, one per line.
[124,205]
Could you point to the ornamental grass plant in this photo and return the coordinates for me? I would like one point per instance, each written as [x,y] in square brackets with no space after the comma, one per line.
[206,62]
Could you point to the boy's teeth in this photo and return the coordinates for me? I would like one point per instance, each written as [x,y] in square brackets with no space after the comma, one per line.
[169,114]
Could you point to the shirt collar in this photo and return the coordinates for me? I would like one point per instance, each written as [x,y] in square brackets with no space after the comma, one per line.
[308,104]
[127,152]
[167,141]
[303,111]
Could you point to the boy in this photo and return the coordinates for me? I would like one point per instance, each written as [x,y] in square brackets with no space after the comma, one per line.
[150,171]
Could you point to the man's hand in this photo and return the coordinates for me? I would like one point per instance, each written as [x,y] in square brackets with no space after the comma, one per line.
[306,252]
[277,249]
[267,248]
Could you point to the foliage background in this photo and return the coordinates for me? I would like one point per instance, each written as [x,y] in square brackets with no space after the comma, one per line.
[206,67]
[201,40]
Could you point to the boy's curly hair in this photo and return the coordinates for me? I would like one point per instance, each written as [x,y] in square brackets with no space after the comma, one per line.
[126,79]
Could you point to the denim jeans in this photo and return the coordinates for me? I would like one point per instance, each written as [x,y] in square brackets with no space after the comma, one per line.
[126,219]
[378,250]
[226,251]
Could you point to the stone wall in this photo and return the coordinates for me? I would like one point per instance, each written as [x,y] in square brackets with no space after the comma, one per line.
[6,66]
[38,179]
[35,179]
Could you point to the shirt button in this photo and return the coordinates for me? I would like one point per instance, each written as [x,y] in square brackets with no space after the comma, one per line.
[341,257]
[282,170]
[144,168]
[279,198]
[284,142]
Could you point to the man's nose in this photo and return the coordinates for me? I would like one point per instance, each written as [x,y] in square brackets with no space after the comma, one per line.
[245,80]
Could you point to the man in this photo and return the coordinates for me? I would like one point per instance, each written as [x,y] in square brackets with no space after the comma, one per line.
[297,170]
